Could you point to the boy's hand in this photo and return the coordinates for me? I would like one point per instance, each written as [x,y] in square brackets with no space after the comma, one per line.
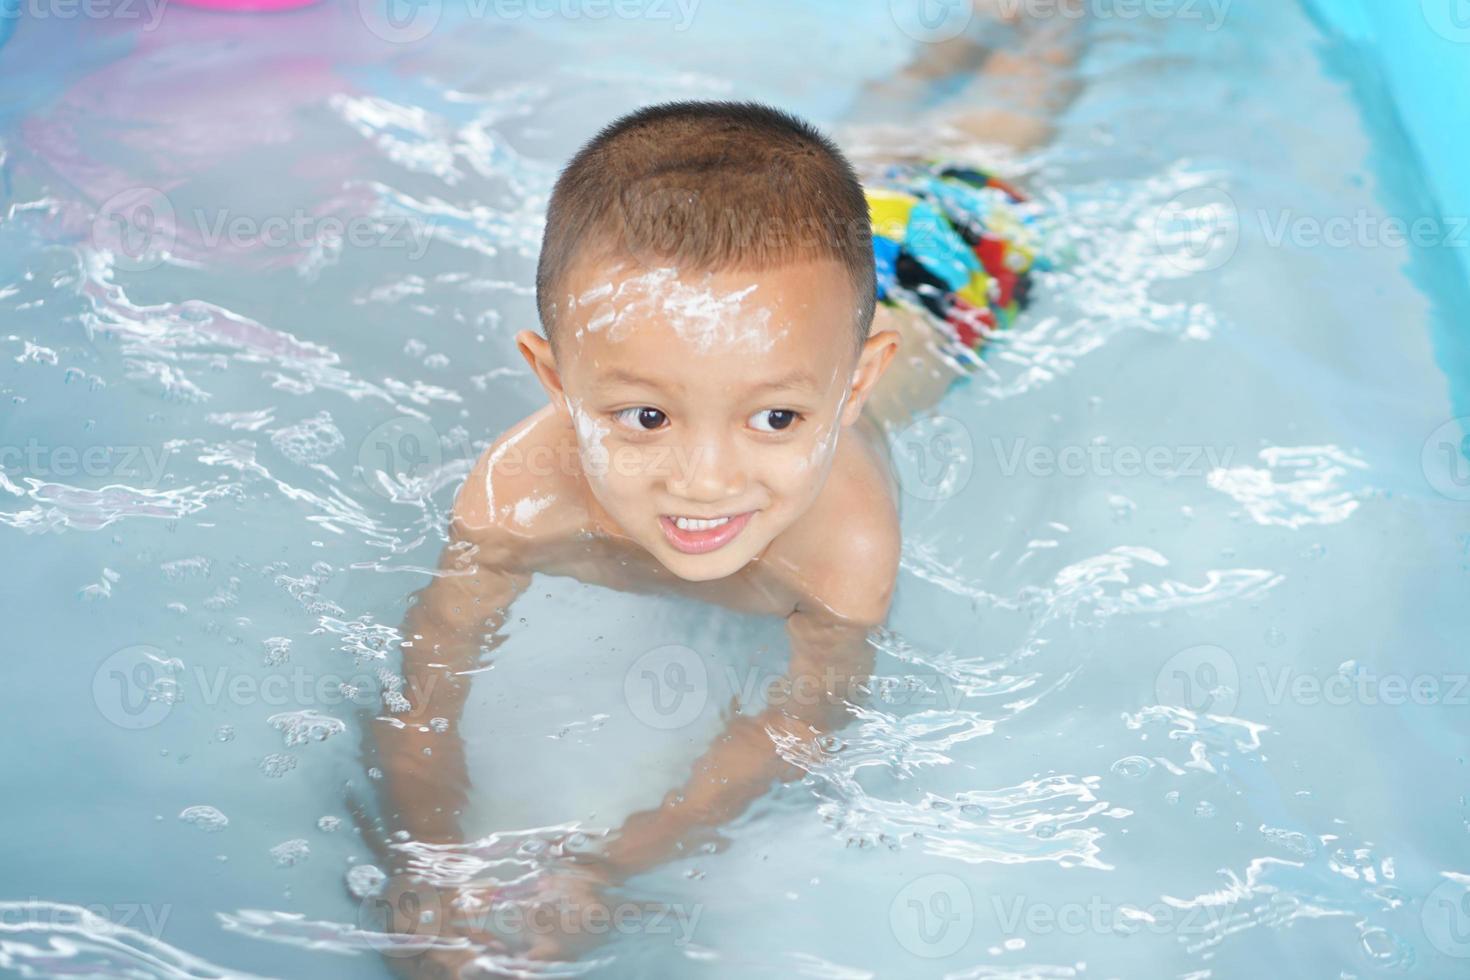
[830,656]
[568,914]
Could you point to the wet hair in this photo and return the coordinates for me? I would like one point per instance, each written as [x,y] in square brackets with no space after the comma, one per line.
[707,186]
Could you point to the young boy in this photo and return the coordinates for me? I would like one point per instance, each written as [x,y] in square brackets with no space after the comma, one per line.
[720,373]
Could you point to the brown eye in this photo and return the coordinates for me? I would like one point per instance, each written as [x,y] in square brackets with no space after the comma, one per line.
[775,419]
[643,418]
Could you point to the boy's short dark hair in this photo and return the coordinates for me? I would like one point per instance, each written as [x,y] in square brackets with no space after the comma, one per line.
[711,186]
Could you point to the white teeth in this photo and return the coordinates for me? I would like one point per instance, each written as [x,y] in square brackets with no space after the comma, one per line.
[692,524]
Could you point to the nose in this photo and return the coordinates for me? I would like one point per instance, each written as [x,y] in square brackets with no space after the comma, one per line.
[707,469]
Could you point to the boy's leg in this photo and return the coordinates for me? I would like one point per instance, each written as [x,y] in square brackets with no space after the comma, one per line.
[1010,100]
[1006,96]
[1020,92]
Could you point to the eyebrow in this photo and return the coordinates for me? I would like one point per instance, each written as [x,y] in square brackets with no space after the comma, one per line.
[793,380]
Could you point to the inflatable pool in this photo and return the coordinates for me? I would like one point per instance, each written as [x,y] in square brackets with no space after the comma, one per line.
[1420,70]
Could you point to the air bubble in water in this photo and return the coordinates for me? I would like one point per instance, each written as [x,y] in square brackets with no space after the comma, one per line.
[224,733]
[300,727]
[329,824]
[365,880]
[291,852]
[309,441]
[1132,767]
[206,818]
[277,651]
[277,764]
[1385,949]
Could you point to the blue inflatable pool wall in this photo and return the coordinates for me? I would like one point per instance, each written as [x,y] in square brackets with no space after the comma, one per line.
[1421,50]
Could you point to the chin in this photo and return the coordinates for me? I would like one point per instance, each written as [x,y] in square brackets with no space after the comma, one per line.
[703,568]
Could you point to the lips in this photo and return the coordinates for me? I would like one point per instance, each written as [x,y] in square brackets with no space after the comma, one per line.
[697,541]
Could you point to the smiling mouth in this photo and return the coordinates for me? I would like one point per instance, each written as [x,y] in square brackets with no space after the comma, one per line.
[695,536]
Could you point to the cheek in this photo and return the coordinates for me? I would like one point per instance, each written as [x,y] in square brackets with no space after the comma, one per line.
[815,454]
[592,439]
[633,467]
[798,471]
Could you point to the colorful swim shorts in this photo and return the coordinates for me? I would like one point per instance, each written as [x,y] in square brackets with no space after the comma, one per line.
[957,242]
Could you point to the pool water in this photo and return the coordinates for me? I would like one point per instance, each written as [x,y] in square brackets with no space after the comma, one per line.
[1175,679]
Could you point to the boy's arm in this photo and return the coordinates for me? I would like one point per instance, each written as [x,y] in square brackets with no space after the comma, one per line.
[424,792]
[443,634]
[830,658]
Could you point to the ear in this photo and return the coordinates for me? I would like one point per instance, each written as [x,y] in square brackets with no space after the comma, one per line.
[877,351]
[536,349]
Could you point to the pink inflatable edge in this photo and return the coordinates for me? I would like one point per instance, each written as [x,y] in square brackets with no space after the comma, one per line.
[247,6]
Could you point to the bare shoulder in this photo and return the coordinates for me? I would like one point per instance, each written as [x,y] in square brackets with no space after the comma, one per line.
[524,486]
[847,553]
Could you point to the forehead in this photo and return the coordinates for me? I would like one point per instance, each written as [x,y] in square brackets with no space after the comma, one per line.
[725,325]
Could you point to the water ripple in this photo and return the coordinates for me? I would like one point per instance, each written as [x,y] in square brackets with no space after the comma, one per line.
[60,506]
[1299,486]
[52,939]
